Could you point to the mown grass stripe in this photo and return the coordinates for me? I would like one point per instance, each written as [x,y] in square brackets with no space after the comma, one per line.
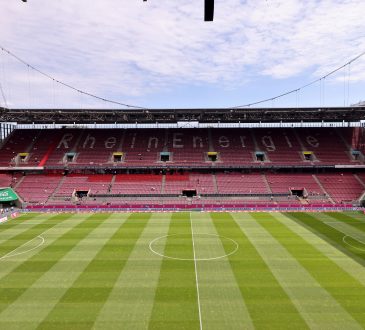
[268,304]
[347,227]
[305,292]
[11,263]
[347,264]
[19,220]
[349,219]
[352,216]
[13,242]
[91,289]
[221,300]
[34,305]
[15,283]
[328,233]
[19,227]
[349,293]
[175,305]
[130,304]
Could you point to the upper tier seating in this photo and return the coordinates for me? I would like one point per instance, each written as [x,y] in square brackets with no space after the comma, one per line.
[327,145]
[43,146]
[96,147]
[235,146]
[17,142]
[143,147]
[67,142]
[281,145]
[187,147]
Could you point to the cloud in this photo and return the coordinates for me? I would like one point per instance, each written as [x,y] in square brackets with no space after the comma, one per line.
[132,49]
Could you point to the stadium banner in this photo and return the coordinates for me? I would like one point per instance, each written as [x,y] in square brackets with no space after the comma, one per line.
[179,208]
[14,215]
[3,219]
[7,195]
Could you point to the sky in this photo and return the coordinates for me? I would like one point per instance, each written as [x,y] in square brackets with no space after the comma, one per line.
[161,53]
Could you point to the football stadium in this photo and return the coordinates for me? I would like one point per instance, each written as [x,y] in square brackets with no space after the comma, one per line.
[116,216]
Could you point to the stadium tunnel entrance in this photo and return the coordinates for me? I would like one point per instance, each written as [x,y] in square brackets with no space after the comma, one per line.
[81,193]
[189,192]
[297,192]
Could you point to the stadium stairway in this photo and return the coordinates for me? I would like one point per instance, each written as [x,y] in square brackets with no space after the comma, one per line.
[114,177]
[34,141]
[49,151]
[295,133]
[345,142]
[76,145]
[166,141]
[215,183]
[120,146]
[210,140]
[19,182]
[266,183]
[350,144]
[324,190]
[58,187]
[163,184]
[359,179]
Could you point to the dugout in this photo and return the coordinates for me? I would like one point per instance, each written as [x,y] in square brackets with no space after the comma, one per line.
[8,198]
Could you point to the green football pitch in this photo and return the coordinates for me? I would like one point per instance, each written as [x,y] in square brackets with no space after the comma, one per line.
[183,271]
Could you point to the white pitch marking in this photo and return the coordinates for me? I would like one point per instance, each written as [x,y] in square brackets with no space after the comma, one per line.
[350,222]
[328,223]
[10,254]
[191,259]
[357,248]
[196,273]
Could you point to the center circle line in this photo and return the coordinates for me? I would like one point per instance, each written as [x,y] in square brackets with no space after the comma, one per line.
[192,259]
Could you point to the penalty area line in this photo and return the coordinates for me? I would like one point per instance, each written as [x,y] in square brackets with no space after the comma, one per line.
[12,254]
[196,273]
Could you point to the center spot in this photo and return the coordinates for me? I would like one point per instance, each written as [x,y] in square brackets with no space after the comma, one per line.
[180,247]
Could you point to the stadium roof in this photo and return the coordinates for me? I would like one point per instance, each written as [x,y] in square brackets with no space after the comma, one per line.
[223,115]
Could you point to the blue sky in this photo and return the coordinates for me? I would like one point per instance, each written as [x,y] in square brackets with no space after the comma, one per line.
[161,54]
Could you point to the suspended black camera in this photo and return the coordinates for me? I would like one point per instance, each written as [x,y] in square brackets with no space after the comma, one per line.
[208,10]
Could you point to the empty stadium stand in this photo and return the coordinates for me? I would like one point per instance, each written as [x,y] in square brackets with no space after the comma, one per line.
[184,147]
[189,167]
[341,187]
[233,183]
[125,184]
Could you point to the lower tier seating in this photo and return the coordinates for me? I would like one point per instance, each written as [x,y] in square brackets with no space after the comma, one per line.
[206,188]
